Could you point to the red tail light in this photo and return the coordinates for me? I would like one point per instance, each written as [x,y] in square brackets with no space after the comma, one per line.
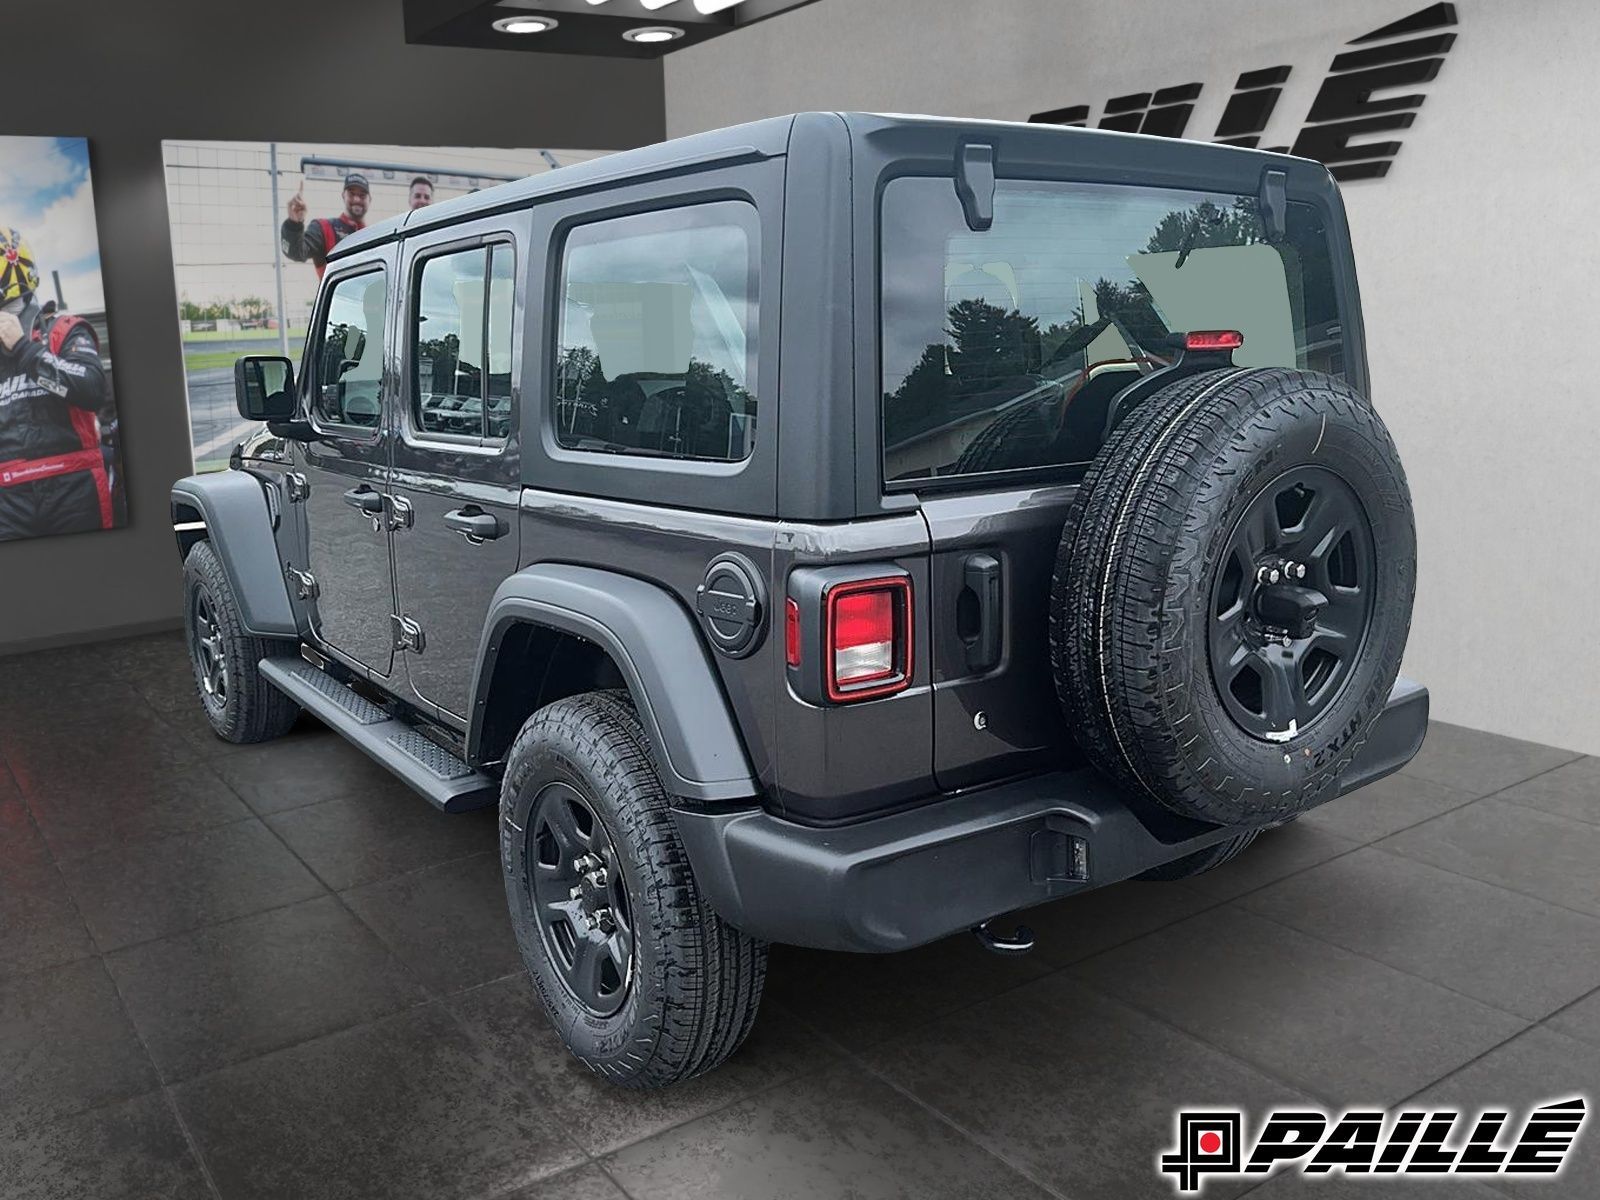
[791,632]
[1213,339]
[868,642]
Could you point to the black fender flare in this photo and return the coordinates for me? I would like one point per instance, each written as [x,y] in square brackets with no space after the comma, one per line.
[233,505]
[657,647]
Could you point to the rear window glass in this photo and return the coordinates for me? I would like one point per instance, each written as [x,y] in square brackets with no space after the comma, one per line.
[1003,349]
[656,351]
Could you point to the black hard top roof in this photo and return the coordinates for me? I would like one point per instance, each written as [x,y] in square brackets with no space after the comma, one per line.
[766,138]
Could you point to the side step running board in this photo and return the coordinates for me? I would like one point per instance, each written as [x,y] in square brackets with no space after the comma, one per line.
[446,781]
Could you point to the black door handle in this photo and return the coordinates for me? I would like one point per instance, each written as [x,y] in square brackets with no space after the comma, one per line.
[364,498]
[474,524]
[981,576]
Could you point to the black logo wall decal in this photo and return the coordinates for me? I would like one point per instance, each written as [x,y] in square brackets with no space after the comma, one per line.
[1355,101]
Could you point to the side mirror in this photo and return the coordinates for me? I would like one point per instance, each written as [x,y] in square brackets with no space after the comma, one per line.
[263,387]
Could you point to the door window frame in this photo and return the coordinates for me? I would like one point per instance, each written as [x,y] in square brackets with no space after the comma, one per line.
[313,355]
[459,443]
[745,488]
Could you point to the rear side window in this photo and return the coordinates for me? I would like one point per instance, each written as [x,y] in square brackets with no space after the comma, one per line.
[349,373]
[461,364]
[657,338]
[1003,349]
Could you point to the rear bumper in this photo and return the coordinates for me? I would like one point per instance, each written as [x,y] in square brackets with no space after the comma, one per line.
[899,881]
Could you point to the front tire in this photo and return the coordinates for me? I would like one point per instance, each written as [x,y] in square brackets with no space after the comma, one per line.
[239,703]
[645,983]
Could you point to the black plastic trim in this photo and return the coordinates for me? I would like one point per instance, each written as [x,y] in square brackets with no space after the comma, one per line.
[656,645]
[239,527]
[894,882]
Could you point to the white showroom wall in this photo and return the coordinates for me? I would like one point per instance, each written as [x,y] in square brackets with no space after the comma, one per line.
[1479,255]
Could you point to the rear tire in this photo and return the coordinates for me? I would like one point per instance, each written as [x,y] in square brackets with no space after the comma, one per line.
[587,835]
[239,703]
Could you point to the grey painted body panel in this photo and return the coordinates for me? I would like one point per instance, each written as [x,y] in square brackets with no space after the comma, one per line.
[240,527]
[347,551]
[441,580]
[654,643]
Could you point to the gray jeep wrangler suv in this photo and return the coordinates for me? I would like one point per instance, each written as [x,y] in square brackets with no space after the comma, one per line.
[836,530]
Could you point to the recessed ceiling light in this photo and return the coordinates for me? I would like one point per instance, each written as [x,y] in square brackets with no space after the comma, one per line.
[652,34]
[525,24]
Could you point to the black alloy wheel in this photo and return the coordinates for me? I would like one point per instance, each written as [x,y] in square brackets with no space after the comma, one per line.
[585,919]
[1291,603]
[207,649]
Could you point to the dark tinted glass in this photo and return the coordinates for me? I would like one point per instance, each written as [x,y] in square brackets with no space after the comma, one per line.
[657,346]
[462,380]
[346,388]
[502,304]
[1003,349]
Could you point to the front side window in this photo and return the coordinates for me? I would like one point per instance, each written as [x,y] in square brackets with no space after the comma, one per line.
[656,351]
[348,380]
[461,364]
[1002,349]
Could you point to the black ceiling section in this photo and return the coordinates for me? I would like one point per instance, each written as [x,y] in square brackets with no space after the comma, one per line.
[581,26]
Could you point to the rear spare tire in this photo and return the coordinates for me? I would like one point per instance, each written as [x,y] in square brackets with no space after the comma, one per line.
[1233,591]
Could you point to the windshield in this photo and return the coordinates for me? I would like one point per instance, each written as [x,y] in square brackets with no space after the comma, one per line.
[1003,349]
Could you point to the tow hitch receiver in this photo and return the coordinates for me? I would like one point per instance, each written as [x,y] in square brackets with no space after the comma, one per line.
[1020,941]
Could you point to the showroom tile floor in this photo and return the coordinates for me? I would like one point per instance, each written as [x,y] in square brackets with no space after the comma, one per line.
[273,972]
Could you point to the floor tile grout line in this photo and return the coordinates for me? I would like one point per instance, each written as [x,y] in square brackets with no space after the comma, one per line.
[166,1091]
[407,873]
[842,1058]
[175,1081]
[789,1078]
[1529,1022]
[1494,795]
[1232,1056]
[503,1072]
[356,917]
[769,1086]
[1591,994]
[192,1142]
[946,1119]
[1504,799]
[1412,858]
[1456,1070]
[189,930]
[615,1182]
[1410,773]
[1466,799]
[156,839]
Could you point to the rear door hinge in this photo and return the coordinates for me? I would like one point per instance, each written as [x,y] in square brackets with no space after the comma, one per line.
[407,633]
[303,582]
[401,514]
[297,486]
